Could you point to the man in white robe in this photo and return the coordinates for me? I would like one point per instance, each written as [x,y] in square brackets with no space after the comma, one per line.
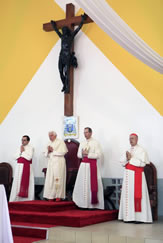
[88,189]
[23,183]
[55,182]
[134,203]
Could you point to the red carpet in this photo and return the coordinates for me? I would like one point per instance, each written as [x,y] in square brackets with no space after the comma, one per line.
[28,233]
[38,216]
[20,239]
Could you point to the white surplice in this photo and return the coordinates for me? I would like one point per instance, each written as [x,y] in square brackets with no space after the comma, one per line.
[55,182]
[27,154]
[82,188]
[127,208]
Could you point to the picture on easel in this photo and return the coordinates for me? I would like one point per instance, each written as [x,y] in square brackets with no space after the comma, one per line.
[70,127]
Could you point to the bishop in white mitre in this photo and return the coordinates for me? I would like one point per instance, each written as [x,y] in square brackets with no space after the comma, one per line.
[55,182]
[134,202]
[23,183]
[88,189]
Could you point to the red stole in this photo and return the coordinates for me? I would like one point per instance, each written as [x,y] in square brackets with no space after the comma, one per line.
[137,186]
[25,177]
[94,184]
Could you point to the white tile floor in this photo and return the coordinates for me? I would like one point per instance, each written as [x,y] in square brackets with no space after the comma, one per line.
[108,232]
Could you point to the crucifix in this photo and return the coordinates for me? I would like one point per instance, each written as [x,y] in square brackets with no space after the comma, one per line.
[70,21]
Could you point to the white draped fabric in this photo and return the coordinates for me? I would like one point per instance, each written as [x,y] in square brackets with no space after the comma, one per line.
[5,226]
[108,20]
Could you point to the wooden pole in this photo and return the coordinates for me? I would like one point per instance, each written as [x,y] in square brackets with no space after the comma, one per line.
[68,98]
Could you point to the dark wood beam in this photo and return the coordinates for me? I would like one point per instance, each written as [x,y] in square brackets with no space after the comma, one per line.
[66,22]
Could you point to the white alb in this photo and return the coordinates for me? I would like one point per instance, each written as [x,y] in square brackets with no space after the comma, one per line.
[55,182]
[127,209]
[27,154]
[82,189]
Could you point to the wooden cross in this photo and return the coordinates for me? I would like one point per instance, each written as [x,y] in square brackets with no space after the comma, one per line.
[70,21]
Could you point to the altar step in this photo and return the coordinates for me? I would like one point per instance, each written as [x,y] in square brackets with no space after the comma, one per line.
[23,228]
[22,239]
[41,206]
[57,213]
[28,233]
[33,219]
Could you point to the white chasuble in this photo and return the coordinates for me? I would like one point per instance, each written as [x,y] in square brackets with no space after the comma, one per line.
[82,188]
[127,206]
[26,154]
[55,182]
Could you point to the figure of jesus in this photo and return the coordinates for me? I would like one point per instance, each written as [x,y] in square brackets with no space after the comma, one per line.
[67,57]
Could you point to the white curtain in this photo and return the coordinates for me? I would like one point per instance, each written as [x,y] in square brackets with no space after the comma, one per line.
[5,225]
[108,20]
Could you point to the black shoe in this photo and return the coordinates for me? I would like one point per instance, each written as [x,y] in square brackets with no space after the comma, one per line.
[129,222]
[138,222]
[83,208]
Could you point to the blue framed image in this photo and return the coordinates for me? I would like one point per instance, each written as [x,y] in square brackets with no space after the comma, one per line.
[70,127]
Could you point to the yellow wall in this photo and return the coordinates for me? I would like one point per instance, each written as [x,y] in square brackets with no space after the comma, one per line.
[24,45]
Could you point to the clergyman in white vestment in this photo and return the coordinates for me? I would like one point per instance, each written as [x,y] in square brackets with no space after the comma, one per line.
[23,183]
[88,189]
[134,202]
[55,182]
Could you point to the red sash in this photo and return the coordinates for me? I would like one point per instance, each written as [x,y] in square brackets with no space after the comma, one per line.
[25,177]
[137,186]
[94,183]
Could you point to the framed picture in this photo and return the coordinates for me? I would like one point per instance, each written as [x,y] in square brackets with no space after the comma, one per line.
[70,127]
